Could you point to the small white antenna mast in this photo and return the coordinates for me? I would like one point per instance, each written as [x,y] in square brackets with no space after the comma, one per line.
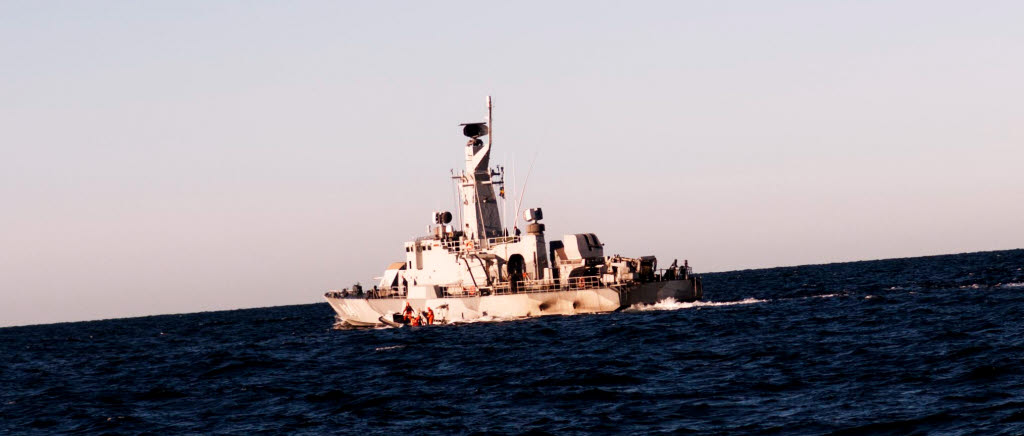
[525,182]
[515,189]
[490,123]
[504,201]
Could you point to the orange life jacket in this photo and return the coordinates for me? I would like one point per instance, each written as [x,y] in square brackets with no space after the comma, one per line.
[430,316]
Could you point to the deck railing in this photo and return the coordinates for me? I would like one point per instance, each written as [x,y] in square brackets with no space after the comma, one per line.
[679,273]
[504,288]
[526,287]
[475,244]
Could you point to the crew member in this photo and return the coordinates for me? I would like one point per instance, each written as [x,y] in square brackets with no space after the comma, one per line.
[407,313]
[430,316]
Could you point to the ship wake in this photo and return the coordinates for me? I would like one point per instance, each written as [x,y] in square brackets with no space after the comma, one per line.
[671,304]
[487,319]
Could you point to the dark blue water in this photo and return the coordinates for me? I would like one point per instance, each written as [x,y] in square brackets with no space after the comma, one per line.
[923,345]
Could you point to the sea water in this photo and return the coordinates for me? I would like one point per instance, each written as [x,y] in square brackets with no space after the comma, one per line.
[921,345]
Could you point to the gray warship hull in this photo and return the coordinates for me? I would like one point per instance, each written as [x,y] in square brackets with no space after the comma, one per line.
[367,311]
[477,267]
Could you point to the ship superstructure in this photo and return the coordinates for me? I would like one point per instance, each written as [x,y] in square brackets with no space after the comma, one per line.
[474,267]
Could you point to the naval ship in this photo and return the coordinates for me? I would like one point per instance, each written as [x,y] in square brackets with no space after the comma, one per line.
[475,267]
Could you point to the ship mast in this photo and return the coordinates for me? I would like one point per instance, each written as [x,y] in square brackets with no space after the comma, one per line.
[479,203]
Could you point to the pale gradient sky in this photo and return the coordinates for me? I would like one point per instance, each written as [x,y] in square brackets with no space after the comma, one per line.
[162,157]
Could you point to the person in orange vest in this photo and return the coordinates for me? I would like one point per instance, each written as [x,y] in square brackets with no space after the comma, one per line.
[430,316]
[407,313]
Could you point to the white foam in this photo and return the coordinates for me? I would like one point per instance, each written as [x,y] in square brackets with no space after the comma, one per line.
[671,304]
[1012,285]
[392,347]
[485,318]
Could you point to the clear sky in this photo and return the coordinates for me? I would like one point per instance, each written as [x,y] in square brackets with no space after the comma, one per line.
[178,156]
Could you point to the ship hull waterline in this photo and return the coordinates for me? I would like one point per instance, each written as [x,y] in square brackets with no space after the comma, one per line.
[367,312]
